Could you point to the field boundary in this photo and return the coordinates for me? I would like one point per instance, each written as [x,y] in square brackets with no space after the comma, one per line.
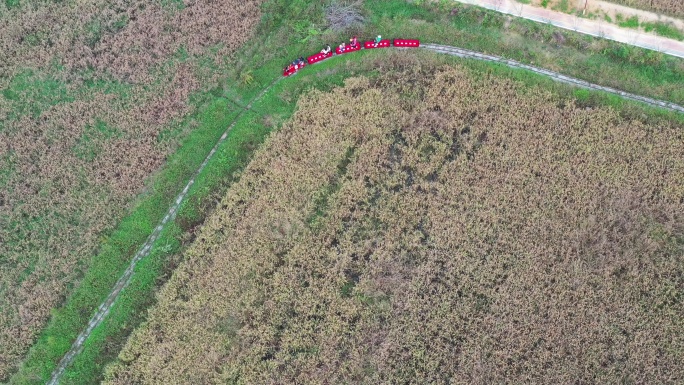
[144,251]
[464,53]
[146,248]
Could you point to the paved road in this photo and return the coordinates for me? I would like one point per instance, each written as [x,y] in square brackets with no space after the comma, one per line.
[597,28]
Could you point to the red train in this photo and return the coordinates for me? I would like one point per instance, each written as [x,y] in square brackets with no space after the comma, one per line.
[401,43]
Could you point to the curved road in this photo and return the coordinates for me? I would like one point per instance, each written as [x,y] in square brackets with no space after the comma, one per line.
[145,249]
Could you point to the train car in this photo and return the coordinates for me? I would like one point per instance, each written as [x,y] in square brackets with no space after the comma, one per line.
[371,44]
[318,57]
[293,70]
[400,43]
[406,43]
[347,49]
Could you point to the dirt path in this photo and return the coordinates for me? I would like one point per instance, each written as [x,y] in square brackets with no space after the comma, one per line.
[599,28]
[144,251]
[125,279]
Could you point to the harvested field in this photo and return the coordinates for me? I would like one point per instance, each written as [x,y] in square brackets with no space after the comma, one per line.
[92,94]
[413,228]
[669,7]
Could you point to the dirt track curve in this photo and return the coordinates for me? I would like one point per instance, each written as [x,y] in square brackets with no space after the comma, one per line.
[125,279]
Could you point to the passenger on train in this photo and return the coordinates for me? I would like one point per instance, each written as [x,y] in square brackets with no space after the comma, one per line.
[353,43]
[342,47]
[377,40]
[326,50]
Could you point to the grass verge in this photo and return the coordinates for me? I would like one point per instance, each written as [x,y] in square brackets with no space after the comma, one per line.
[663,29]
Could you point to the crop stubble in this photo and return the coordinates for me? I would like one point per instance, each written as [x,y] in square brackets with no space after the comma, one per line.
[434,225]
[672,7]
[87,88]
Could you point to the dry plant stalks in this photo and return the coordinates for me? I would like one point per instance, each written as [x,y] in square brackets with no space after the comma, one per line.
[429,233]
[69,171]
[343,14]
[672,7]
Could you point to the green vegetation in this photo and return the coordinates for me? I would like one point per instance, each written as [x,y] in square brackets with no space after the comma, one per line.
[563,6]
[632,22]
[664,29]
[30,94]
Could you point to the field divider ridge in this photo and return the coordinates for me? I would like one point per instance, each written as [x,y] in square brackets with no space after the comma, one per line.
[464,53]
[144,251]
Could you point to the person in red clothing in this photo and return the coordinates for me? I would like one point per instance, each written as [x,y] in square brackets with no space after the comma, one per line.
[353,43]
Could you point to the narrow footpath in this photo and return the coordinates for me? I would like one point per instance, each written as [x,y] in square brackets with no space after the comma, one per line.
[598,28]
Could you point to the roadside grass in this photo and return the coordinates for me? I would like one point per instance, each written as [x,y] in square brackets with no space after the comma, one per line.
[562,6]
[631,22]
[469,27]
[663,29]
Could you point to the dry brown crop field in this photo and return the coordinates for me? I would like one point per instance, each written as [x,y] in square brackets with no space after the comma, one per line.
[671,7]
[434,224]
[88,93]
